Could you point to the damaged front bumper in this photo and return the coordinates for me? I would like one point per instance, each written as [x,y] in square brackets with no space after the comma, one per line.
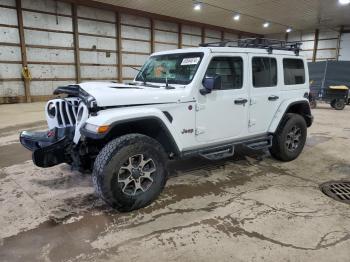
[49,148]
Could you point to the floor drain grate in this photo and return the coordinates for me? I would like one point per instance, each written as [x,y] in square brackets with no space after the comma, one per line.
[338,190]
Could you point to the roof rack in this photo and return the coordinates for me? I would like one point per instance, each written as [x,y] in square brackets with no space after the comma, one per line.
[263,43]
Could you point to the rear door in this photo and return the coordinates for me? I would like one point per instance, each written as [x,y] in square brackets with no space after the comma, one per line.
[223,114]
[264,92]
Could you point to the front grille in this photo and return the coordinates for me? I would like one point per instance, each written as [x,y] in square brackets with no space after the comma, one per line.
[66,111]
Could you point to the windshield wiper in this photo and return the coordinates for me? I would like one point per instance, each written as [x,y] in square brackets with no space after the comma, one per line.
[143,78]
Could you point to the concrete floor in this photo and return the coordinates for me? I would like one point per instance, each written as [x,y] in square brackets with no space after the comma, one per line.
[250,208]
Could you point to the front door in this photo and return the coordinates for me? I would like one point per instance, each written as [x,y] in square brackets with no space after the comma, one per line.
[223,114]
[264,93]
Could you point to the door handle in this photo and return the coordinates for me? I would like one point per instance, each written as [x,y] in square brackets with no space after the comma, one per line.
[273,98]
[241,101]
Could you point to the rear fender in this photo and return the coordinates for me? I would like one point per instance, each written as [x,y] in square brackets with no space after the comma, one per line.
[286,107]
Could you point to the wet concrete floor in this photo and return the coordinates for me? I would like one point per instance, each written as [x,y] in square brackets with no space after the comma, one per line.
[247,208]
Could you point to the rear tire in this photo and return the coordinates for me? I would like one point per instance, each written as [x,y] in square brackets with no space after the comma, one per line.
[130,172]
[339,104]
[290,138]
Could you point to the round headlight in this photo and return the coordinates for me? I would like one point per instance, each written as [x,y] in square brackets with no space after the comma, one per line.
[51,110]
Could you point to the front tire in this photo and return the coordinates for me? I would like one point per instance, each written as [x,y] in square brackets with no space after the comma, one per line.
[130,172]
[290,138]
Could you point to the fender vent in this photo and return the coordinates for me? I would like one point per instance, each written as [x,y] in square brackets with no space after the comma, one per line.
[338,190]
[167,114]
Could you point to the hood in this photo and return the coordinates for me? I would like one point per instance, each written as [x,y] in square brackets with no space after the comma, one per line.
[114,94]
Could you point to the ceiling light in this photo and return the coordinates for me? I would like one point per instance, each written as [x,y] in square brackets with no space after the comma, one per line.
[197,6]
[266,24]
[236,17]
[289,29]
[344,2]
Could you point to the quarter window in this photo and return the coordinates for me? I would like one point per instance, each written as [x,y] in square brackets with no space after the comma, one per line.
[230,69]
[294,72]
[264,72]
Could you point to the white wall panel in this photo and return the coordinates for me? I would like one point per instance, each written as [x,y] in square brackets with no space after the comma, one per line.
[46,21]
[48,6]
[136,33]
[98,28]
[165,26]
[326,54]
[94,42]
[328,34]
[308,45]
[230,36]
[50,55]
[135,20]
[166,36]
[94,13]
[10,71]
[11,88]
[10,53]
[8,16]
[164,47]
[212,33]
[327,43]
[129,72]
[38,88]
[8,2]
[344,54]
[191,30]
[308,36]
[34,37]
[52,71]
[91,57]
[98,72]
[9,35]
[131,59]
[136,46]
[191,40]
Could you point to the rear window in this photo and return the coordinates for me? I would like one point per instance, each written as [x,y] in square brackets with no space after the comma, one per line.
[294,71]
[264,72]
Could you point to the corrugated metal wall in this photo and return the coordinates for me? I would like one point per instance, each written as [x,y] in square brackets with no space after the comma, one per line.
[318,45]
[64,43]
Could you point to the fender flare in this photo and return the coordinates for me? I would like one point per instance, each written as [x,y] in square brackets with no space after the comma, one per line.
[114,126]
[280,114]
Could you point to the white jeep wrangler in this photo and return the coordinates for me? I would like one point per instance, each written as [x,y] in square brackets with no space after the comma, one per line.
[188,102]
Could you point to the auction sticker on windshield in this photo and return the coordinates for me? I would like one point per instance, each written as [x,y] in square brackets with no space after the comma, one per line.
[190,61]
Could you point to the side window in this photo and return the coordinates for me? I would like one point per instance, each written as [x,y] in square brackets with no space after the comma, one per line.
[264,72]
[294,72]
[230,69]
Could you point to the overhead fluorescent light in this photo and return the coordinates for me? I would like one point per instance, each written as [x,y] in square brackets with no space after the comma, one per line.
[236,17]
[197,6]
[266,24]
[344,2]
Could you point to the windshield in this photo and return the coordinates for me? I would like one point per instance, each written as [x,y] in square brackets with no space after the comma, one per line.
[171,68]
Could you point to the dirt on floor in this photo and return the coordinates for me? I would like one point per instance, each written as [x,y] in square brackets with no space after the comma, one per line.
[247,208]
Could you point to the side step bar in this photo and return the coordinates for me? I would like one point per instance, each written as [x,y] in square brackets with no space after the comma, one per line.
[259,144]
[227,150]
[218,153]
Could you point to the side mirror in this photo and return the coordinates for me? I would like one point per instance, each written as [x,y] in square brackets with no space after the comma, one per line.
[210,83]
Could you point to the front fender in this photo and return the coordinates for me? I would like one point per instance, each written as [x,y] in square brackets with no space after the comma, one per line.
[117,116]
[283,108]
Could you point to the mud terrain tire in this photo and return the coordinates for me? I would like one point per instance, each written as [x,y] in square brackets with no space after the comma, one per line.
[290,138]
[119,172]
